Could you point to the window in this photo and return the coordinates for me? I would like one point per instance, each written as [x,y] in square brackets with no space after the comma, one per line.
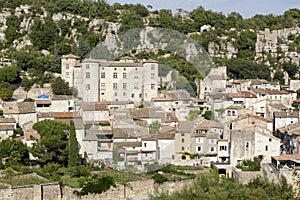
[199,140]
[124,93]
[124,75]
[270,139]
[223,148]
[182,140]
[136,86]
[102,74]
[140,95]
[102,86]
[116,94]
[87,75]
[266,147]
[247,145]
[152,75]
[152,67]
[199,148]
[124,86]
[212,149]
[132,95]
[87,66]
[115,86]
[87,86]
[67,74]
[136,77]
[153,86]
[182,134]
[67,66]
[182,148]
[212,141]
[115,75]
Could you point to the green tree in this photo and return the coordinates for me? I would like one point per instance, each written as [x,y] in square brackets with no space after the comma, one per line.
[53,145]
[9,74]
[73,148]
[154,127]
[97,185]
[279,76]
[291,69]
[14,150]
[130,20]
[6,91]
[60,87]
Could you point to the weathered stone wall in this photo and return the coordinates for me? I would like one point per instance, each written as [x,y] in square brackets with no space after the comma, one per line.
[244,176]
[51,191]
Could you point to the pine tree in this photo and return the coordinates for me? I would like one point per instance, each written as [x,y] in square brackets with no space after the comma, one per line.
[73,148]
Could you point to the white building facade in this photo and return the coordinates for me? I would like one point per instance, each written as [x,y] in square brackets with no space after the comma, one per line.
[101,80]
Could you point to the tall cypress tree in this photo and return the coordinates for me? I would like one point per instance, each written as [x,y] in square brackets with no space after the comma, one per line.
[73,148]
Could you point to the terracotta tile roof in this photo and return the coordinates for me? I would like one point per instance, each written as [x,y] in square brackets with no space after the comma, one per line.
[292,129]
[166,132]
[185,126]
[234,107]
[128,144]
[139,113]
[274,92]
[65,114]
[44,102]
[7,120]
[6,127]
[235,95]
[247,94]
[19,108]
[31,133]
[279,107]
[45,115]
[293,157]
[294,114]
[297,101]
[61,97]
[258,81]
[94,107]
[259,118]
[77,122]
[204,124]
[149,138]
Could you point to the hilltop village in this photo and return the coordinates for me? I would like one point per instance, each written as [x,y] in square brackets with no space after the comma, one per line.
[124,118]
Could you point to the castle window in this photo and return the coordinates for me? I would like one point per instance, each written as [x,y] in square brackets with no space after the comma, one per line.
[115,86]
[87,86]
[152,67]
[152,75]
[103,75]
[115,75]
[87,75]
[153,86]
[102,86]
[67,66]
[87,66]
[136,86]
[124,75]
[124,86]
[67,74]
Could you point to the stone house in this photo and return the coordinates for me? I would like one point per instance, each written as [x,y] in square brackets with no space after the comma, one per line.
[290,137]
[62,103]
[177,101]
[149,149]
[6,131]
[94,113]
[8,121]
[183,139]
[166,145]
[223,152]
[249,143]
[205,137]
[98,144]
[22,112]
[43,105]
[213,82]
[282,119]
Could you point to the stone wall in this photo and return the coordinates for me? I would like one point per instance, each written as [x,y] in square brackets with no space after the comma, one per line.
[244,176]
[51,191]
